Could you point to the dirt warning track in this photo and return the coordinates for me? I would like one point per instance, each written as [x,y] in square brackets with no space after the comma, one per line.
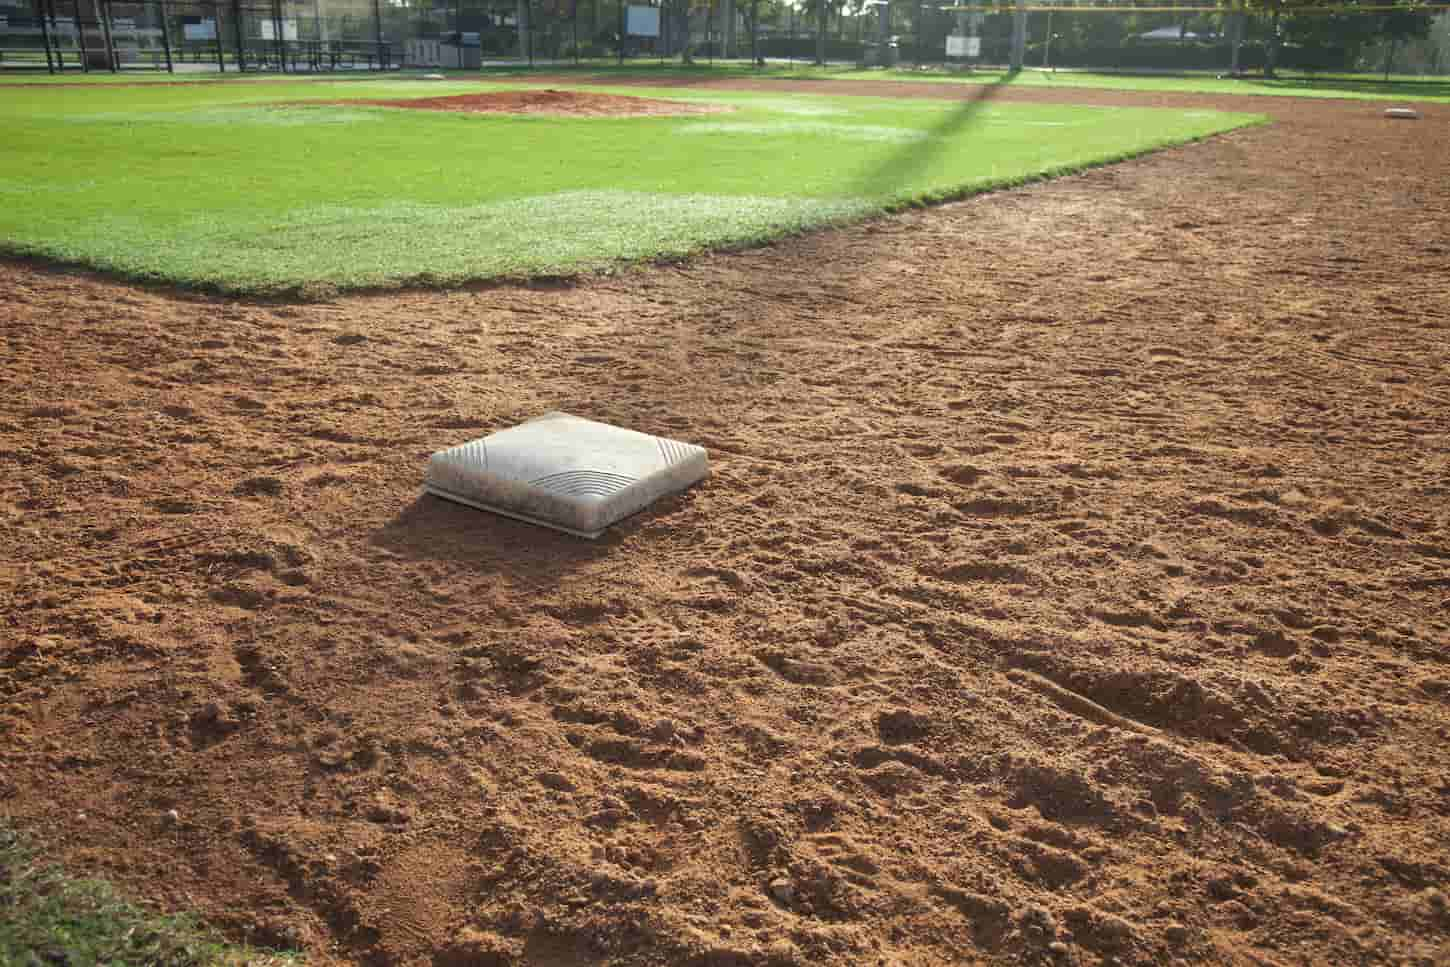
[1072,586]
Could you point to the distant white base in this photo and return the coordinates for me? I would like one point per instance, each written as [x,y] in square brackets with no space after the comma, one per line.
[1404,113]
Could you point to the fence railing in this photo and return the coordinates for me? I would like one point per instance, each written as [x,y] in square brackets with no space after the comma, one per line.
[249,35]
[333,35]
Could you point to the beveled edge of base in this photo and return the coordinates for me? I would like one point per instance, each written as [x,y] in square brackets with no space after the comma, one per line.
[479,505]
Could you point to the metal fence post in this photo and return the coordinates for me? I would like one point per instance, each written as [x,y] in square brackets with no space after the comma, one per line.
[81,37]
[277,33]
[378,30]
[216,20]
[166,37]
[1019,35]
[45,35]
[103,11]
[241,45]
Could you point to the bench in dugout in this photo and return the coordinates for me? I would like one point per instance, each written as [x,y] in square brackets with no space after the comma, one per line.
[319,55]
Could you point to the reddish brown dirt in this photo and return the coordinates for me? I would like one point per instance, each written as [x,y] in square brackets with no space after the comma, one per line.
[1072,587]
[549,101]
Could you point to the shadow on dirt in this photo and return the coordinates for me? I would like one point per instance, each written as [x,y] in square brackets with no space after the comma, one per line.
[431,528]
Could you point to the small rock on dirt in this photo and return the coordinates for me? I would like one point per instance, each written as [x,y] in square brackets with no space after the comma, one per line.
[557,781]
[782,889]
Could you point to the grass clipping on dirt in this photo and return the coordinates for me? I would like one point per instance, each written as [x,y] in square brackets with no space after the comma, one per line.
[222,186]
[48,917]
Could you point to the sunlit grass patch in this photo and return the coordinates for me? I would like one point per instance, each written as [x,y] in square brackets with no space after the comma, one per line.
[242,115]
[350,247]
[790,129]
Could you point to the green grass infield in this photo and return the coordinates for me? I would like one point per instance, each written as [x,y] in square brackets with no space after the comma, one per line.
[277,186]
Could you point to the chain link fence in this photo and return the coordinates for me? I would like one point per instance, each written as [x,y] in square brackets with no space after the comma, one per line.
[333,35]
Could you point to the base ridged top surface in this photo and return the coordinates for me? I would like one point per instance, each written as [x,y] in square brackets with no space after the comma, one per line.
[565,472]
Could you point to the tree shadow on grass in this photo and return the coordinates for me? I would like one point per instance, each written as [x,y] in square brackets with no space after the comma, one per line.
[898,171]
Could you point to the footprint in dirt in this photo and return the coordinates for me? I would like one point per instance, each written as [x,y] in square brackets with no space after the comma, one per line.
[962,474]
[259,487]
[903,726]
[985,573]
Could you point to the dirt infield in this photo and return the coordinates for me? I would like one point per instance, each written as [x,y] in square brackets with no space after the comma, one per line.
[549,101]
[1072,587]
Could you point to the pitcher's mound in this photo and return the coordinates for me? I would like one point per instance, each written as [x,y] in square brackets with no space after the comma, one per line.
[550,101]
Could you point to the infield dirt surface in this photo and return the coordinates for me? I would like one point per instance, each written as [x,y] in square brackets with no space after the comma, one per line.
[1072,587]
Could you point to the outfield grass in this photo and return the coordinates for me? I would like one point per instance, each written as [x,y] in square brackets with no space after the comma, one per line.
[1349,87]
[263,187]
[47,917]
[1366,87]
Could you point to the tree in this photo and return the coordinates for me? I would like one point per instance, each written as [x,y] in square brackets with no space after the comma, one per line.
[1310,23]
[1397,26]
